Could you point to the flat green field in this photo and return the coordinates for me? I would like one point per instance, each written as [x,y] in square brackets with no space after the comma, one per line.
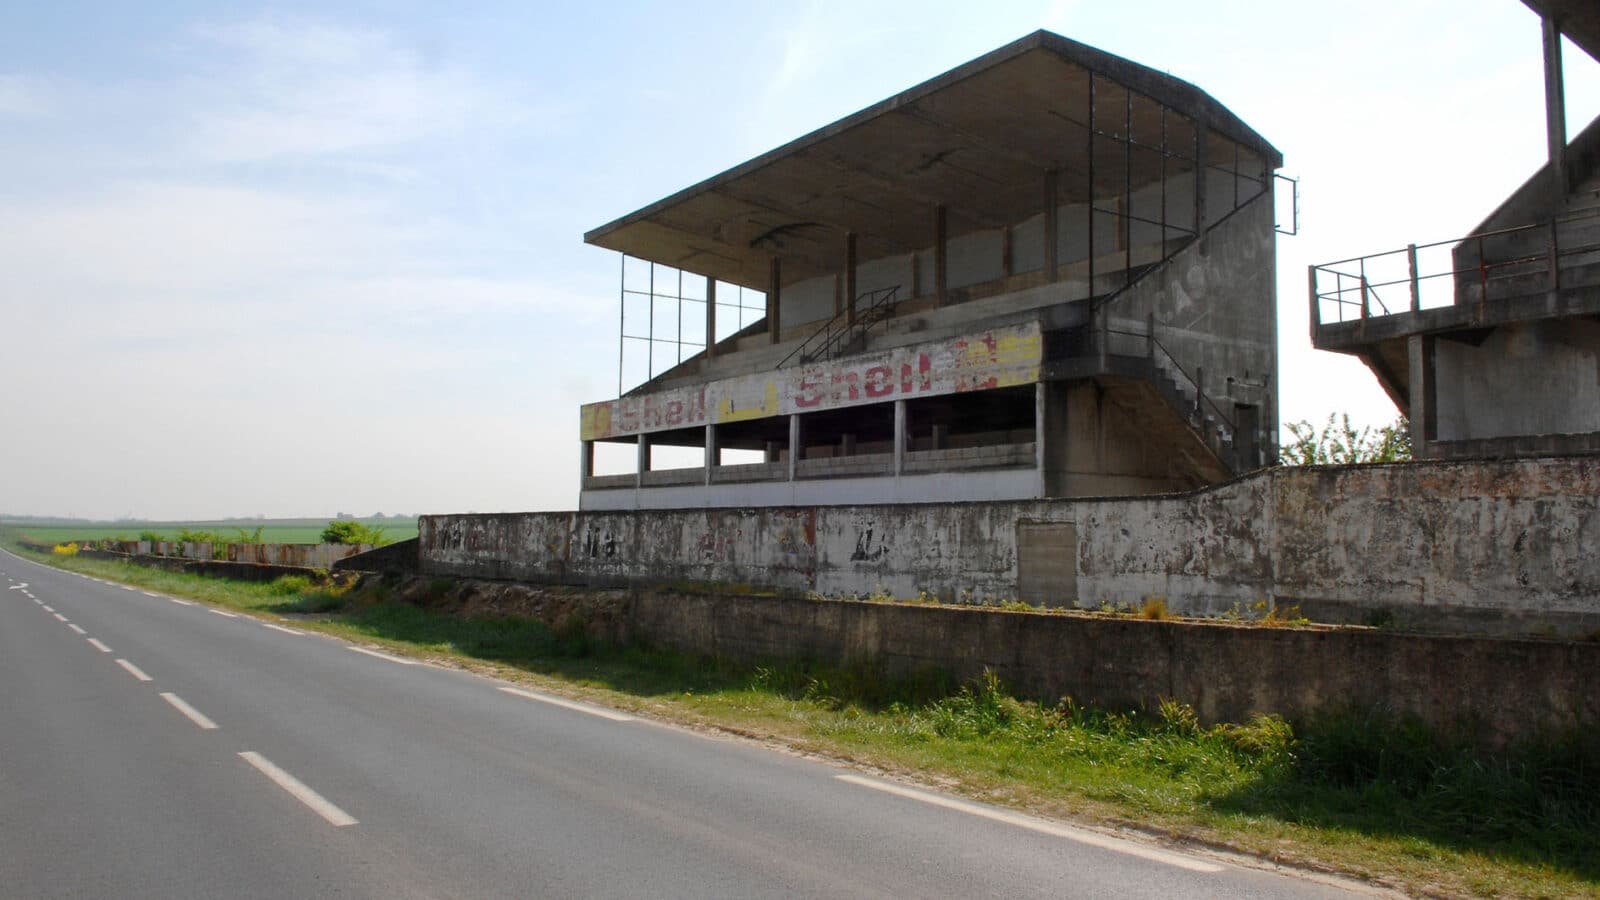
[273,531]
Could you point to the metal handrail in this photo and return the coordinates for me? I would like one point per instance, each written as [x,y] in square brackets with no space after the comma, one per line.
[877,306]
[1483,267]
[1154,343]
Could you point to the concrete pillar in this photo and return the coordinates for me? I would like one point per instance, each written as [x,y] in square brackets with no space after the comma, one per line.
[850,277]
[1555,108]
[586,460]
[940,432]
[794,445]
[1420,392]
[711,317]
[900,437]
[772,451]
[940,238]
[712,454]
[1041,441]
[774,300]
[1052,227]
[643,464]
[847,444]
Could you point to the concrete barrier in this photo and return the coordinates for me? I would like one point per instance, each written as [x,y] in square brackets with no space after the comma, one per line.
[1504,547]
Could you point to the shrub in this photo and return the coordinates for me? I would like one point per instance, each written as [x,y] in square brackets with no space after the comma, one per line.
[65,549]
[346,531]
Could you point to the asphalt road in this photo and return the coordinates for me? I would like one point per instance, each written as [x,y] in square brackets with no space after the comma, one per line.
[157,748]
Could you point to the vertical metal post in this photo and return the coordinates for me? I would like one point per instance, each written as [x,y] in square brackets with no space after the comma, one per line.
[650,345]
[711,317]
[1052,227]
[1163,181]
[642,463]
[774,300]
[1090,204]
[1416,288]
[850,278]
[1127,189]
[622,317]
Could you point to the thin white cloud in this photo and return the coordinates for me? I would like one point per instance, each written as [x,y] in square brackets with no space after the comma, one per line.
[312,90]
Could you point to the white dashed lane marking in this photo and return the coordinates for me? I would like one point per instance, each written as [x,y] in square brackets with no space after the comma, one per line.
[298,790]
[134,670]
[193,714]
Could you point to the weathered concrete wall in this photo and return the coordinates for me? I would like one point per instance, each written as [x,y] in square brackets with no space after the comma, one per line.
[1228,672]
[1495,547]
[1524,379]
[304,556]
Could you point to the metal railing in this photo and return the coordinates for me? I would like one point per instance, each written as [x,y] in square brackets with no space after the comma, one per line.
[869,309]
[1153,346]
[1354,289]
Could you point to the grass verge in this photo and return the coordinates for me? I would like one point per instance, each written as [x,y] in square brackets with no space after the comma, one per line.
[1355,794]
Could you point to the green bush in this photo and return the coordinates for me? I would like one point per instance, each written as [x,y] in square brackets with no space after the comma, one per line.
[347,531]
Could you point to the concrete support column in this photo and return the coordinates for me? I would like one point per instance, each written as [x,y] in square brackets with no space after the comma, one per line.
[794,445]
[772,451]
[643,464]
[1041,399]
[711,317]
[1052,228]
[847,444]
[585,460]
[1420,389]
[901,438]
[1555,108]
[850,277]
[940,432]
[774,300]
[713,456]
[940,238]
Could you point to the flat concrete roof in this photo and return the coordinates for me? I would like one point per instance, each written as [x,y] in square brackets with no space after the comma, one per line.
[977,140]
[1577,19]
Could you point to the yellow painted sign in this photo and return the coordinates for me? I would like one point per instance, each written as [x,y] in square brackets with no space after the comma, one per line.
[996,358]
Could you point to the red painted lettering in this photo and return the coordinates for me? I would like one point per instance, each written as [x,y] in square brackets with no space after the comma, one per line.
[879,381]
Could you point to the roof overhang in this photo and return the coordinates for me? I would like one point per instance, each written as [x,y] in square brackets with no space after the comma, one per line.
[976,141]
[1579,20]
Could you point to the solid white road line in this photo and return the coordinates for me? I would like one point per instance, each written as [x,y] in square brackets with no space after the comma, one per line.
[59,616]
[134,670]
[181,602]
[221,613]
[393,659]
[99,646]
[194,715]
[298,790]
[568,704]
[1054,829]
[280,628]
[77,629]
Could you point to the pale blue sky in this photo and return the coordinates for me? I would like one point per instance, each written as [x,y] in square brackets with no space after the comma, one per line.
[299,258]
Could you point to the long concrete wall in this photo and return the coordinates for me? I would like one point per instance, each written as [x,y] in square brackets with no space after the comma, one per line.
[1491,547]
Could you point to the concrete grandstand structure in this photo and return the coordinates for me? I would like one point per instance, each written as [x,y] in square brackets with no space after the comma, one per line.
[1049,272]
